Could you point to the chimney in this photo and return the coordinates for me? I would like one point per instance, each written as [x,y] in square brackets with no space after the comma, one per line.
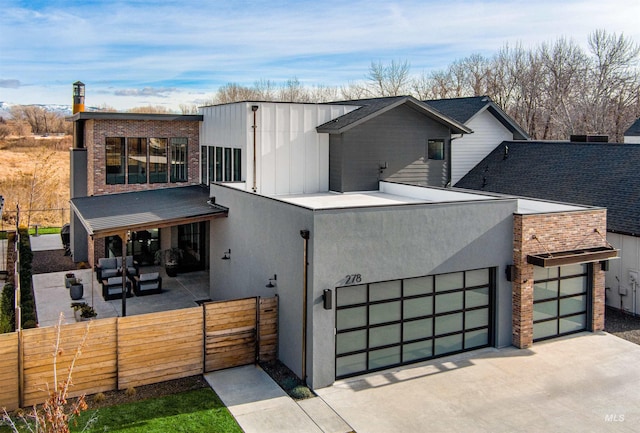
[78,97]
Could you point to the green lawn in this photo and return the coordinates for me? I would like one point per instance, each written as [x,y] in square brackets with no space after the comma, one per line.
[191,411]
[45,230]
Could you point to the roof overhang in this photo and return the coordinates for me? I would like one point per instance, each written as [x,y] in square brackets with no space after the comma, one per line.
[587,255]
[421,107]
[113,214]
[101,115]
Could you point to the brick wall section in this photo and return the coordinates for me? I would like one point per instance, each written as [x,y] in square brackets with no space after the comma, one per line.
[555,232]
[96,131]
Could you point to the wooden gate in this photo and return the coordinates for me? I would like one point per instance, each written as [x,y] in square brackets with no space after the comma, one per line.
[239,332]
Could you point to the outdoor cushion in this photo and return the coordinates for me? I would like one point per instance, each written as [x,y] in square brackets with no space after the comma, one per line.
[132,268]
[148,284]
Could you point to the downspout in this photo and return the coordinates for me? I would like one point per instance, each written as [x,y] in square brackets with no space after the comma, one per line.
[254,108]
[305,271]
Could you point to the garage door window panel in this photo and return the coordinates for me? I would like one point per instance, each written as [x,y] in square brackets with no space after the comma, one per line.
[351,295]
[385,290]
[452,281]
[351,341]
[383,358]
[476,297]
[417,329]
[384,312]
[449,302]
[417,351]
[418,286]
[476,338]
[449,323]
[417,307]
[351,364]
[351,318]
[384,335]
[449,344]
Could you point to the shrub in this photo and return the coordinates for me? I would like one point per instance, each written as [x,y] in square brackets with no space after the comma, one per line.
[130,392]
[28,304]
[99,397]
[7,311]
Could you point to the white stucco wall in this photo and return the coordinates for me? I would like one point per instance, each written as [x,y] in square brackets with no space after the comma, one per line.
[468,151]
[621,292]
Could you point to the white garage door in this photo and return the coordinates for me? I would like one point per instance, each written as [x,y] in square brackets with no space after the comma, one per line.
[384,324]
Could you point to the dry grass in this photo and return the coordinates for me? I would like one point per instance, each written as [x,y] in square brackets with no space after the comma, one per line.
[20,158]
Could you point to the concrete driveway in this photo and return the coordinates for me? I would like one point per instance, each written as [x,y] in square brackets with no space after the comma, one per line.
[582,383]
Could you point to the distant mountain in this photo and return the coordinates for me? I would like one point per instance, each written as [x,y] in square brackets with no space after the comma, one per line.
[65,110]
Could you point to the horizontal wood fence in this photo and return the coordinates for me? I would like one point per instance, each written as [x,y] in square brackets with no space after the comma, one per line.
[137,350]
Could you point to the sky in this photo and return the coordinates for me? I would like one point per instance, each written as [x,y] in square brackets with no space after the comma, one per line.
[155,52]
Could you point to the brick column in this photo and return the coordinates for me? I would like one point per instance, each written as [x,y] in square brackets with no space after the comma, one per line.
[554,232]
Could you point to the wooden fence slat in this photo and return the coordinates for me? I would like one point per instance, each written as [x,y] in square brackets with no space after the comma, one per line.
[139,350]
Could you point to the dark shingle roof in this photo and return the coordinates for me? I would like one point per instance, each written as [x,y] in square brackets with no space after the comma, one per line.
[103,215]
[464,109]
[596,174]
[370,108]
[634,130]
[461,109]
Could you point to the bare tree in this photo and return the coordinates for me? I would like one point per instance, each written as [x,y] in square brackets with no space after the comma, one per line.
[188,109]
[613,82]
[388,80]
[151,109]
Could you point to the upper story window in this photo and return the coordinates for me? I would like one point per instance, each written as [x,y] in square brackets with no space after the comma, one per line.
[221,164]
[158,160]
[178,159]
[139,160]
[115,152]
[435,149]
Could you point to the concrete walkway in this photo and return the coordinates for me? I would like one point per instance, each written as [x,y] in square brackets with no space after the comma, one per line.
[46,242]
[259,405]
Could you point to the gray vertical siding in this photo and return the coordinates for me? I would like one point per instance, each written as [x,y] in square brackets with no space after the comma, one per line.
[399,138]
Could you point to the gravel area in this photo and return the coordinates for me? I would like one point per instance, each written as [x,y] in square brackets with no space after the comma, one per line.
[51,261]
[622,325]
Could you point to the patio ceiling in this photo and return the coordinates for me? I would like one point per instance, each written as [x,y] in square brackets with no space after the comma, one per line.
[113,214]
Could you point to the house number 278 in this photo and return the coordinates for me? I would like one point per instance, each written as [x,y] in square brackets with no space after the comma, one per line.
[352,279]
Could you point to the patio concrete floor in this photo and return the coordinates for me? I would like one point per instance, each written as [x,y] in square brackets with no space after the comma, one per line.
[52,297]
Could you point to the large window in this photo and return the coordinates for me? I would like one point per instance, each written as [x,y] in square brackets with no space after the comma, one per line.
[204,173]
[178,159]
[157,160]
[115,160]
[224,165]
[136,160]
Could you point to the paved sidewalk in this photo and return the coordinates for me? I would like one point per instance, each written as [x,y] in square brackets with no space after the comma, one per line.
[259,405]
[46,242]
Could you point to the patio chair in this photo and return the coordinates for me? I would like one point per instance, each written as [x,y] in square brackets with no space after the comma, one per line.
[148,284]
[112,288]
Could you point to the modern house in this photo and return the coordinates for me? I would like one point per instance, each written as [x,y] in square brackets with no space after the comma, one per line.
[632,134]
[591,173]
[490,124]
[342,210]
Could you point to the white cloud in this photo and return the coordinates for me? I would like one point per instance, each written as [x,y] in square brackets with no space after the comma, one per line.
[195,46]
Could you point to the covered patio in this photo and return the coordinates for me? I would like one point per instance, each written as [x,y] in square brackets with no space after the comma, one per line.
[52,297]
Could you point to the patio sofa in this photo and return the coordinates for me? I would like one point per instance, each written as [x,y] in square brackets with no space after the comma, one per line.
[112,288]
[112,267]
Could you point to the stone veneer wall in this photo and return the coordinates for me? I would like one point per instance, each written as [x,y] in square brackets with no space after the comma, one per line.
[96,131]
[554,232]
